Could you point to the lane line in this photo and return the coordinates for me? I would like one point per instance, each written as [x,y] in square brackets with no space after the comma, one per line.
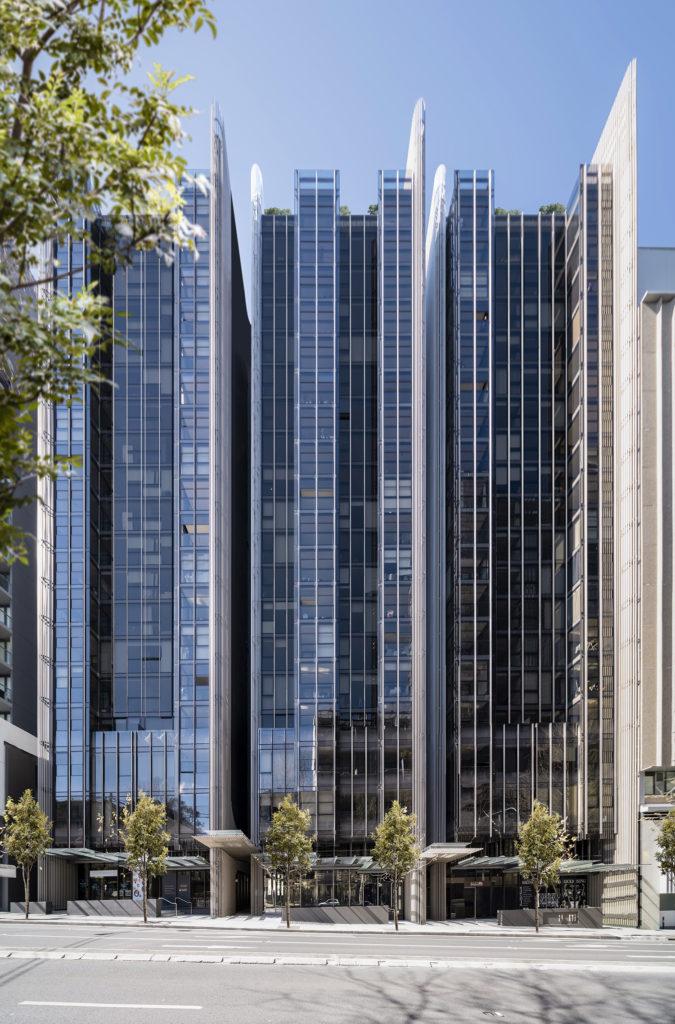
[113,1006]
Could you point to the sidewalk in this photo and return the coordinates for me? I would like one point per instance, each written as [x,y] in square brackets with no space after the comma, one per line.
[272,922]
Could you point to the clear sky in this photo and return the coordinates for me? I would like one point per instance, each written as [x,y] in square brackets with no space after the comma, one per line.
[522,86]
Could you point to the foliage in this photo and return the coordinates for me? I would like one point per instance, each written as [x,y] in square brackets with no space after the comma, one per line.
[26,835]
[145,840]
[345,211]
[542,845]
[77,140]
[665,845]
[395,849]
[553,208]
[502,212]
[278,211]
[288,845]
[373,208]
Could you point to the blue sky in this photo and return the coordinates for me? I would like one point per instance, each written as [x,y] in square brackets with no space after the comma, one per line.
[520,86]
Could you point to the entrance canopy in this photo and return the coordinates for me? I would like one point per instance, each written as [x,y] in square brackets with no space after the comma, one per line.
[112,858]
[231,840]
[447,853]
[568,867]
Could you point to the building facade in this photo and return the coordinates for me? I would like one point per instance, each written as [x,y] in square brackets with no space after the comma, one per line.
[531,318]
[144,543]
[656,290]
[338,570]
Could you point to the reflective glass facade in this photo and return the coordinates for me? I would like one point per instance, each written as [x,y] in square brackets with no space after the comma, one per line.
[530,493]
[333,685]
[143,619]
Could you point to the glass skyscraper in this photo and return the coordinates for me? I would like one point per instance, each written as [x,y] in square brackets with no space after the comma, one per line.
[145,650]
[522,330]
[337,683]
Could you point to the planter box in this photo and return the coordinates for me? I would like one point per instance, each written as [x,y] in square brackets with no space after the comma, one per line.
[112,908]
[41,907]
[583,917]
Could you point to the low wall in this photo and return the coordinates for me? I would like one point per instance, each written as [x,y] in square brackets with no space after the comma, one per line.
[341,915]
[583,917]
[37,907]
[112,908]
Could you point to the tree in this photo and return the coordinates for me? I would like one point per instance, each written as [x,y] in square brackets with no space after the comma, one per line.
[26,835]
[78,141]
[289,845]
[502,212]
[665,845]
[395,849]
[345,211]
[145,840]
[542,845]
[278,211]
[373,208]
[553,208]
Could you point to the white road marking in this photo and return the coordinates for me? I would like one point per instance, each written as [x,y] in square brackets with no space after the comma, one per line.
[651,956]
[114,1006]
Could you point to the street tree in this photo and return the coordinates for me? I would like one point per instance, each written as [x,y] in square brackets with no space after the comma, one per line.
[665,845]
[80,140]
[395,849]
[143,833]
[26,836]
[542,845]
[288,846]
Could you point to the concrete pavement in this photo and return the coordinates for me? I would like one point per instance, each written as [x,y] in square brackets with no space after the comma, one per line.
[271,922]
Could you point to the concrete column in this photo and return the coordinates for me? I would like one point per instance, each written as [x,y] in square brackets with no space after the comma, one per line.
[415,895]
[223,874]
[437,909]
[257,887]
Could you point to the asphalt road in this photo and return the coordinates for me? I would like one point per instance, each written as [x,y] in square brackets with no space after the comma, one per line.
[562,951]
[78,992]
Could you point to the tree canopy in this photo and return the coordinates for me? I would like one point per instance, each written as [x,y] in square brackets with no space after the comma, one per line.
[78,141]
[288,846]
[665,844]
[26,835]
[395,849]
[542,845]
[146,840]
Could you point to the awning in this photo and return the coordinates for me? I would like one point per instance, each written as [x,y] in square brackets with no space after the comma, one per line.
[568,867]
[118,858]
[447,853]
[231,840]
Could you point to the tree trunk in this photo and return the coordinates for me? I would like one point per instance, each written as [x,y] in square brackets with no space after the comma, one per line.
[144,878]
[536,908]
[395,903]
[26,890]
[288,899]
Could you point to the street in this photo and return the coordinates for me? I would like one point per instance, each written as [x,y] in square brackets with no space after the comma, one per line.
[70,972]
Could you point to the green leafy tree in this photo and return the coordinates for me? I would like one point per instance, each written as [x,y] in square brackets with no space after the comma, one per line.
[345,211]
[278,211]
[288,845]
[26,835]
[373,208]
[665,845]
[552,208]
[395,849]
[502,211]
[78,141]
[542,845]
[143,832]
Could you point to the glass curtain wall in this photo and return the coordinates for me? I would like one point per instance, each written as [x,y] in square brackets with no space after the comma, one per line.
[277,700]
[395,490]
[357,730]
[591,501]
[316,481]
